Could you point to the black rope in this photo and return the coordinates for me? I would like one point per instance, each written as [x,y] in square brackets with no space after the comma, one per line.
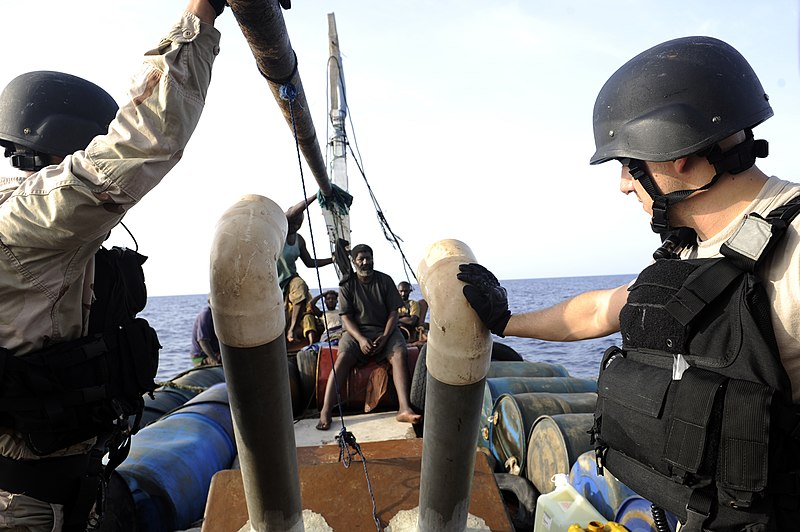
[388,233]
[345,438]
[346,441]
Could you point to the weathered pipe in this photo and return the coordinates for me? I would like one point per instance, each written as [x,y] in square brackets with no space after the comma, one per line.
[247,305]
[459,354]
[261,22]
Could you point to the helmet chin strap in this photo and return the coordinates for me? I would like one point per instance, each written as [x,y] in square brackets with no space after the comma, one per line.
[733,161]
[660,222]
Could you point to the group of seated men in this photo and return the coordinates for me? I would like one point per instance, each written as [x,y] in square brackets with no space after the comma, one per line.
[325,324]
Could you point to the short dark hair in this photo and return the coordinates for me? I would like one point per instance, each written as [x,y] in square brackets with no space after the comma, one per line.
[360,248]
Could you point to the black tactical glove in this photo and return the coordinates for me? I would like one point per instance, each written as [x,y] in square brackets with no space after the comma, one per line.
[486,296]
[218,5]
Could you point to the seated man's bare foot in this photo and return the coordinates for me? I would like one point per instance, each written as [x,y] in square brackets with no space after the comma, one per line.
[324,424]
[408,416]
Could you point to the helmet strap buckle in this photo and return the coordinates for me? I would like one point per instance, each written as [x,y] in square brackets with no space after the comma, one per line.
[660,221]
[27,160]
[740,157]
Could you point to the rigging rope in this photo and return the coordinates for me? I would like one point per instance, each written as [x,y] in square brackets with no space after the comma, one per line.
[388,234]
[345,439]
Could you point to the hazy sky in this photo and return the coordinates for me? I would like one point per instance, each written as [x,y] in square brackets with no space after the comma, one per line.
[473,121]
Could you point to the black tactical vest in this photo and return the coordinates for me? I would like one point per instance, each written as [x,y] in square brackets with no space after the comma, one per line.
[694,411]
[70,392]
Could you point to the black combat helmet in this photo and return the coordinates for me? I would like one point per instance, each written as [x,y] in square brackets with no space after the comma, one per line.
[676,99]
[680,98]
[53,113]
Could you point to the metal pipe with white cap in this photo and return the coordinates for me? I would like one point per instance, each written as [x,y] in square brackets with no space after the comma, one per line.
[247,305]
[458,358]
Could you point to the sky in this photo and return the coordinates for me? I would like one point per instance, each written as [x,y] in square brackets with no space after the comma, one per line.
[472,120]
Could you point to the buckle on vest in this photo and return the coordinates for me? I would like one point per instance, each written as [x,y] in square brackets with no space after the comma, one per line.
[698,508]
[599,456]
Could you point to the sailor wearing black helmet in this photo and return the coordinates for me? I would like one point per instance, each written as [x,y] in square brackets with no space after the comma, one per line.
[698,409]
[83,164]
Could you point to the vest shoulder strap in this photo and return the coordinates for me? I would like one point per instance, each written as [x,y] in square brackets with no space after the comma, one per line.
[749,246]
[756,237]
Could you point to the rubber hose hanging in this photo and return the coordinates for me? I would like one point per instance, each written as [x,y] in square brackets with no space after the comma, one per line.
[659,518]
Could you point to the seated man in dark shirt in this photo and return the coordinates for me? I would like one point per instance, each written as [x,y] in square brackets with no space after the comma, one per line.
[369,315]
[205,345]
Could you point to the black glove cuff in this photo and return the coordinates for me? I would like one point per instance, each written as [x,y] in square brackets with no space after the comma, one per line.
[499,326]
[218,5]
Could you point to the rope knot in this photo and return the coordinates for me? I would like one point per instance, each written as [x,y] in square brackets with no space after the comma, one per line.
[288,92]
[347,441]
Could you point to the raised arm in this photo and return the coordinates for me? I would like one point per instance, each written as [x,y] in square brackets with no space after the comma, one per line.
[204,9]
[314,308]
[307,259]
[300,207]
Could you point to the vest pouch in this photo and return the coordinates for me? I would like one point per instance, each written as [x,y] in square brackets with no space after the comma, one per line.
[702,434]
[742,469]
[630,408]
[132,374]
[672,426]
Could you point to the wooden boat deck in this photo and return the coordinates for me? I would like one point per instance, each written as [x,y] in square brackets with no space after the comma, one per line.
[340,495]
[365,427]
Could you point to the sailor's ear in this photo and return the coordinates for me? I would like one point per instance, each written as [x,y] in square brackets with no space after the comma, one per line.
[681,165]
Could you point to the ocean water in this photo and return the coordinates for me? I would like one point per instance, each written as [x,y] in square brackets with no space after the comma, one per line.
[173,317]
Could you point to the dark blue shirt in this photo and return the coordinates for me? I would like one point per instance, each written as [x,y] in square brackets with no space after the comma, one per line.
[204,330]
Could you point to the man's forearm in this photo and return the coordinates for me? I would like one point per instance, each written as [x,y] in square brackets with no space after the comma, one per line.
[351,327]
[391,324]
[203,10]
[294,316]
[588,315]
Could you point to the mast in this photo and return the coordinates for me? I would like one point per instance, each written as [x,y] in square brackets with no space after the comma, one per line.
[262,25]
[337,219]
[338,112]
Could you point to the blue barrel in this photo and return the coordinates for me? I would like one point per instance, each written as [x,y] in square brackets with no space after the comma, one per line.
[299,404]
[636,515]
[172,461]
[502,368]
[605,492]
[497,386]
[307,368]
[178,390]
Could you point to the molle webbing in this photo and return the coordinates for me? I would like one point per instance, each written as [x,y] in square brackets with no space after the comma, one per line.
[700,289]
